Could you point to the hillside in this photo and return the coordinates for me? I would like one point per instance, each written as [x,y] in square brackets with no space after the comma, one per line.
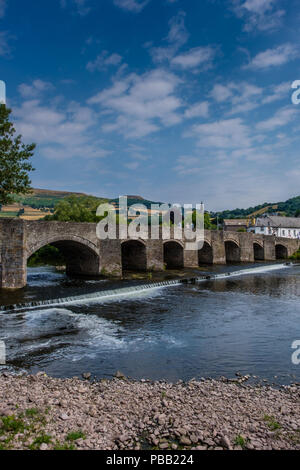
[44,198]
[41,202]
[36,205]
[136,200]
[289,208]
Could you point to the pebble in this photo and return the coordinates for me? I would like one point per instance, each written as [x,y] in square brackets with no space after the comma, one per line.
[128,415]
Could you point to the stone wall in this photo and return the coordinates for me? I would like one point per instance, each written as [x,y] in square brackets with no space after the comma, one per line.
[86,254]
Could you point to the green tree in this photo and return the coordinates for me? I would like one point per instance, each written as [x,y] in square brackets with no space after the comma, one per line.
[14,156]
[208,225]
[76,209]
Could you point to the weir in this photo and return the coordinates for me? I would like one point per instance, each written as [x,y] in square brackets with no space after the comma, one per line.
[127,291]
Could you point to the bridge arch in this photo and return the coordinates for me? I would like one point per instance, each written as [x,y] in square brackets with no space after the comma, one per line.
[173,254]
[205,255]
[134,255]
[232,251]
[81,255]
[259,251]
[281,251]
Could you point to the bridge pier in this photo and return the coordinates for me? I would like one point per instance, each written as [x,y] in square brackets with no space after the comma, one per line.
[87,255]
[110,258]
[218,247]
[190,259]
[13,261]
[155,255]
[246,248]
[269,248]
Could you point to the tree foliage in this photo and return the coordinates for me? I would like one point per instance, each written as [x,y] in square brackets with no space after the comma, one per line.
[289,208]
[76,209]
[48,255]
[14,159]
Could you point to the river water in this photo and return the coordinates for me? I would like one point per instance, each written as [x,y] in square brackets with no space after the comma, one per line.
[244,323]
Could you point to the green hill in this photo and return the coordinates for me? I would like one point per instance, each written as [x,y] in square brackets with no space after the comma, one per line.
[43,198]
[289,208]
[136,200]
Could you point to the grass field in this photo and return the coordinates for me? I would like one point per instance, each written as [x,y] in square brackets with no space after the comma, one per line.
[8,214]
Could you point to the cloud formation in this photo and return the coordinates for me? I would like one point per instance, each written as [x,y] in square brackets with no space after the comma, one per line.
[35,89]
[62,131]
[273,57]
[140,104]
[103,61]
[262,15]
[131,5]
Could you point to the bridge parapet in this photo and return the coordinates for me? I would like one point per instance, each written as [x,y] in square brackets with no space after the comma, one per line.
[86,254]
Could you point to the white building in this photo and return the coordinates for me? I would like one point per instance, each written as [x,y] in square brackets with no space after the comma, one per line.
[287,227]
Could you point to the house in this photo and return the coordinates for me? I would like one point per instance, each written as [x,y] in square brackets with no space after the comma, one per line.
[235,225]
[287,227]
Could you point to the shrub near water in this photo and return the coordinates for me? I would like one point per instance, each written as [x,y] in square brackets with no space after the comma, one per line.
[296,256]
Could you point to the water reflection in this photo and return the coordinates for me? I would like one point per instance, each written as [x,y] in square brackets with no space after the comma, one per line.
[214,328]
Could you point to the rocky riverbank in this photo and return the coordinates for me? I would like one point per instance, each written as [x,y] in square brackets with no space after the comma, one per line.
[39,412]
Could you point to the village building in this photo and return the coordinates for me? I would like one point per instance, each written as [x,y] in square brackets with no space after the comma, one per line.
[235,225]
[286,227]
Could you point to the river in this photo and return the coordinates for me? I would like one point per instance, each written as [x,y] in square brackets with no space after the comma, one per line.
[244,323]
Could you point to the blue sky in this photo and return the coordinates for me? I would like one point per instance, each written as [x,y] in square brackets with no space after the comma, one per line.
[174,100]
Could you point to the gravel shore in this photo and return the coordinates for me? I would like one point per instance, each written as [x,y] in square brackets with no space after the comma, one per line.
[39,412]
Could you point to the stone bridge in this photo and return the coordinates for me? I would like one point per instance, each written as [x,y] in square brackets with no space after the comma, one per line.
[85,254]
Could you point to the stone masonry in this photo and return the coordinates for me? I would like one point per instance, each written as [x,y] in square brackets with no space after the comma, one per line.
[87,255]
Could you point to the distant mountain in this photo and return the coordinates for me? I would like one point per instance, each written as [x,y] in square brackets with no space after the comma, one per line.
[41,202]
[136,200]
[44,198]
[289,208]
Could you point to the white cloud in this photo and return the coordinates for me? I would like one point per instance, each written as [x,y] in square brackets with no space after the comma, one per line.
[278,92]
[197,110]
[132,165]
[227,133]
[221,93]
[60,132]
[35,89]
[242,96]
[263,15]
[176,38]
[282,117]
[103,61]
[141,104]
[132,5]
[274,57]
[194,57]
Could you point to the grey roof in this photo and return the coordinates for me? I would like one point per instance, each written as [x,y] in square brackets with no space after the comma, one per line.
[277,221]
[236,222]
